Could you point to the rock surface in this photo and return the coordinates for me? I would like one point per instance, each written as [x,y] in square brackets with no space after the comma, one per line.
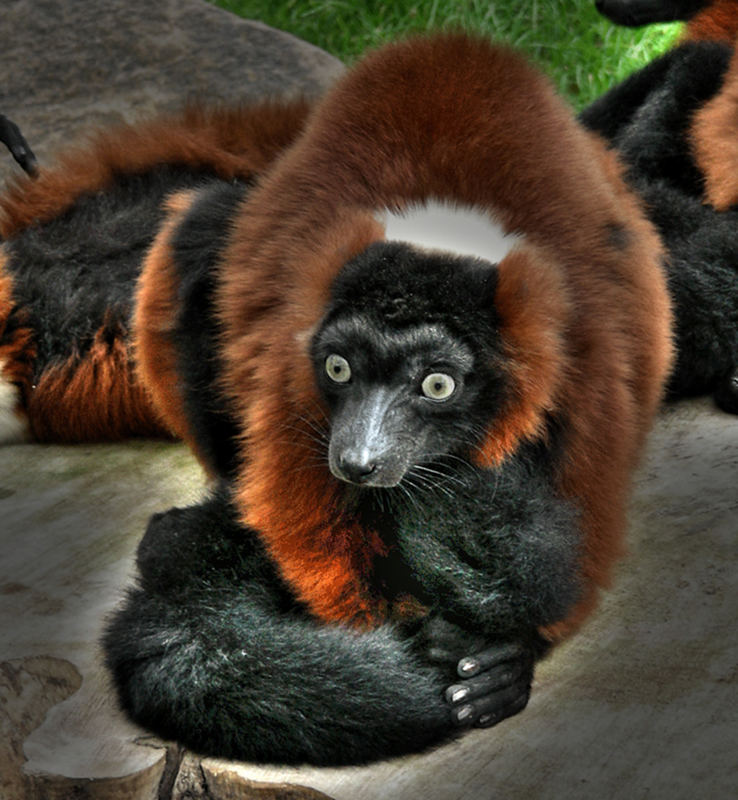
[69,65]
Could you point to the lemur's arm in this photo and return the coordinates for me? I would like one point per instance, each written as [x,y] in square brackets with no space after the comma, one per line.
[496,555]
[211,650]
[498,550]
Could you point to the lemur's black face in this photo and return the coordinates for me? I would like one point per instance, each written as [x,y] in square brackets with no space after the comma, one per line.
[398,397]
[409,381]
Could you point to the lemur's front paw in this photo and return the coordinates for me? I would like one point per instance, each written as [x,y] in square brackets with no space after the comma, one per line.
[495,685]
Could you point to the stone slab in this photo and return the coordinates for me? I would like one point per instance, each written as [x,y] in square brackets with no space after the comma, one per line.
[69,65]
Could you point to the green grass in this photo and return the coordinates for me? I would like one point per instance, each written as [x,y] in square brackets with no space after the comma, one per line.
[582,52]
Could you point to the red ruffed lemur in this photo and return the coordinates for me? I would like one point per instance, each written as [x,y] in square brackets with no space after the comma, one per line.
[421,446]
[712,136]
[433,437]
[73,241]
[674,125]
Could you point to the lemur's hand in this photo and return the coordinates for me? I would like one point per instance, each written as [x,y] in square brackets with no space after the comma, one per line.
[495,684]
[491,684]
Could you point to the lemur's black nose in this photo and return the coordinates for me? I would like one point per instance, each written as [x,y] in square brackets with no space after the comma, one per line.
[356,469]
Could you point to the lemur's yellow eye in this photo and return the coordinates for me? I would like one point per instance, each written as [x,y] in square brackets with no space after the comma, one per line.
[338,368]
[438,386]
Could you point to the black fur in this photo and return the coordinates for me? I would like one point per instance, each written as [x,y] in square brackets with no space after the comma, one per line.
[647,118]
[703,281]
[634,13]
[212,650]
[393,284]
[497,550]
[74,275]
[196,252]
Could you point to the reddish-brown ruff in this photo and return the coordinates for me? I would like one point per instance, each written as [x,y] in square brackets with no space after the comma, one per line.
[154,320]
[584,308]
[233,142]
[714,125]
[99,396]
[718,22]
[17,353]
[715,143]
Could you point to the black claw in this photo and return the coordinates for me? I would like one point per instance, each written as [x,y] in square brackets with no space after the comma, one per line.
[14,140]
[468,667]
[457,694]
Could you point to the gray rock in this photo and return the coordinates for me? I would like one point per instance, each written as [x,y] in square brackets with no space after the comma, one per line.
[67,66]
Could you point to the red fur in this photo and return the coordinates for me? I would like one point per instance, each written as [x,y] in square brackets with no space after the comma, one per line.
[154,321]
[320,549]
[257,134]
[96,398]
[585,311]
[718,22]
[715,144]
[231,141]
[99,397]
[17,350]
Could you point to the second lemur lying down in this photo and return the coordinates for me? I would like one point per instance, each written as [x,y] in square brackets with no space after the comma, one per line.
[665,122]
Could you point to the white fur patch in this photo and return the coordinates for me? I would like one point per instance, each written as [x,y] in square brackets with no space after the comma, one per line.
[451,229]
[13,423]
